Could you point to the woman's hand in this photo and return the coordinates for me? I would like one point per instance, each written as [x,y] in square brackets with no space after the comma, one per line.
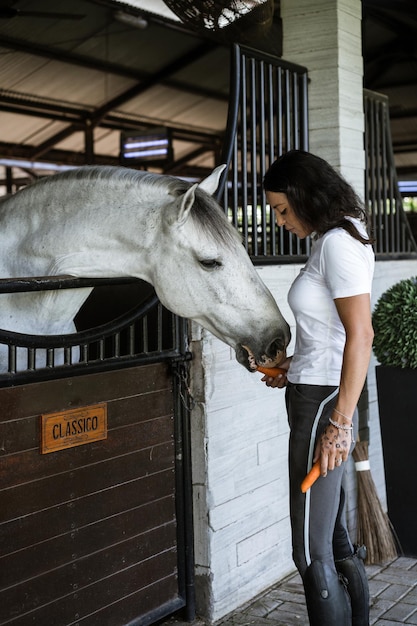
[333,447]
[279,381]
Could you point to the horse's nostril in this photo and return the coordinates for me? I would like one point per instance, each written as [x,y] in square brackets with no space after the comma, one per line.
[279,344]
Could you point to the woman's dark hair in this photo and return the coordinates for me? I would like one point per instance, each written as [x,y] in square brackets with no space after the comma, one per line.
[319,196]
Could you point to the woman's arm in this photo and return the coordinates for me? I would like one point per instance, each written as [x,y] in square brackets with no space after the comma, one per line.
[355,315]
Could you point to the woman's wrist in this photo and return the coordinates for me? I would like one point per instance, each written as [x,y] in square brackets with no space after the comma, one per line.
[345,417]
[341,426]
[341,420]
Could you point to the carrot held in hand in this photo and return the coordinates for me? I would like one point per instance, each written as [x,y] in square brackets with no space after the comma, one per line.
[311,477]
[271,371]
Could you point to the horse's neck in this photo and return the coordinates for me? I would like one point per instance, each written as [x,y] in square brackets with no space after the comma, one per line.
[91,241]
[42,313]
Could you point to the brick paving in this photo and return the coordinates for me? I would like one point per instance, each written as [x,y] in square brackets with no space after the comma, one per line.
[393,590]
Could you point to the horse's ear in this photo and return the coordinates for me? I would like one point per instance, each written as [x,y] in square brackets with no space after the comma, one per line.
[210,184]
[186,205]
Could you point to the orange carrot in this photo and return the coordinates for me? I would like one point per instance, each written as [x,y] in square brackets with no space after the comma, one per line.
[271,371]
[311,477]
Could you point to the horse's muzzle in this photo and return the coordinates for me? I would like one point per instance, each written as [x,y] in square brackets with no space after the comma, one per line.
[250,356]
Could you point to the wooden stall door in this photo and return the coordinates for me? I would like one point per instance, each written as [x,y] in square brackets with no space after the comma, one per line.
[88,534]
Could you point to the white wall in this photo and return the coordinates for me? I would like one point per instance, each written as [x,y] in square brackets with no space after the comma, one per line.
[239,456]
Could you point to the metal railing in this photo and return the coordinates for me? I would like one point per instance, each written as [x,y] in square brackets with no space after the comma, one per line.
[393,236]
[268,115]
[145,333]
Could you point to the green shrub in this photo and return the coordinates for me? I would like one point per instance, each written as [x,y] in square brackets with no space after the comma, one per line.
[395,325]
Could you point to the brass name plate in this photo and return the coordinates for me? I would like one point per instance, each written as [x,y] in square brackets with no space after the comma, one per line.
[75,427]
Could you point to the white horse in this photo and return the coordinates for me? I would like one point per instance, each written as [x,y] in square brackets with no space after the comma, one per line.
[110,222]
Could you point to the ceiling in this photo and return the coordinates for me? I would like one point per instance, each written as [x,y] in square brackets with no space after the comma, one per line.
[74,74]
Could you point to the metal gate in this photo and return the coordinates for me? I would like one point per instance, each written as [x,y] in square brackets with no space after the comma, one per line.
[95,521]
[268,115]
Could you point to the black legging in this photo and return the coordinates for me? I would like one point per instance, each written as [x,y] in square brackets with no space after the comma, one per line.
[318,520]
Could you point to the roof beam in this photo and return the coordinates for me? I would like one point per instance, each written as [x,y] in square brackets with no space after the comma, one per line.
[60,157]
[100,113]
[156,78]
[72,58]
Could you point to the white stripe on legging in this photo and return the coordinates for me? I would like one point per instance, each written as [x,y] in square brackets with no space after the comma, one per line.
[309,465]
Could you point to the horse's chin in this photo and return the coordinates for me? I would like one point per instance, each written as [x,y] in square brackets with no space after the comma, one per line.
[248,359]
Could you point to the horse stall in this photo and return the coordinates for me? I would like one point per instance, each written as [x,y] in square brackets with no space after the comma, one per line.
[95,526]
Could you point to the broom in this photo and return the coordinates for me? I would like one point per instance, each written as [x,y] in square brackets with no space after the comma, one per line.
[374,529]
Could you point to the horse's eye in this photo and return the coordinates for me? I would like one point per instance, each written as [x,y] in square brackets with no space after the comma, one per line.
[210,264]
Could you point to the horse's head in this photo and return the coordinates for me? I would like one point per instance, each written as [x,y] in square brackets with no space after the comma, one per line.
[204,273]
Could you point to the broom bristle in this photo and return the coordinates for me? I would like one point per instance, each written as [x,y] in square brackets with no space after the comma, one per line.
[374,527]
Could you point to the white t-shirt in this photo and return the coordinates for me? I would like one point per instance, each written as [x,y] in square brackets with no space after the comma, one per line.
[339,266]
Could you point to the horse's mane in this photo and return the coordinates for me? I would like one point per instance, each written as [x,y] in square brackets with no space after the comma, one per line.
[205,213]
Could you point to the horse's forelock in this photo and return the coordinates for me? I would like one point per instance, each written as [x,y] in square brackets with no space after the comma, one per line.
[207,214]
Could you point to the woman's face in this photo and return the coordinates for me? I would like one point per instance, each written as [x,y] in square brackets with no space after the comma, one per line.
[285,215]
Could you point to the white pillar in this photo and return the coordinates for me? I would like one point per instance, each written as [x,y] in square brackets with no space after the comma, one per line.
[325,37]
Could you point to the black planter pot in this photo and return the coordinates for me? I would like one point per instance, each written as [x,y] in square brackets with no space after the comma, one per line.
[397,401]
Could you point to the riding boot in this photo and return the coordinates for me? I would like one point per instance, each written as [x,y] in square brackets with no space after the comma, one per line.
[326,597]
[353,570]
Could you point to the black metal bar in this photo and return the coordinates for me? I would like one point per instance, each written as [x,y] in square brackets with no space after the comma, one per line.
[183,431]
[253,164]
[145,335]
[270,153]
[131,335]
[393,233]
[85,336]
[12,359]
[408,238]
[46,283]
[116,345]
[287,113]
[263,148]
[93,367]
[31,358]
[101,352]
[280,116]
[304,112]
[244,152]
[295,111]
[67,356]
[232,117]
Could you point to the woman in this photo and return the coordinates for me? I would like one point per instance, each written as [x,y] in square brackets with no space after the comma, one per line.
[330,300]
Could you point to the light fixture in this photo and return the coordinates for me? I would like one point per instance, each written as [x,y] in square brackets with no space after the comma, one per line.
[137,21]
[408,187]
[138,147]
